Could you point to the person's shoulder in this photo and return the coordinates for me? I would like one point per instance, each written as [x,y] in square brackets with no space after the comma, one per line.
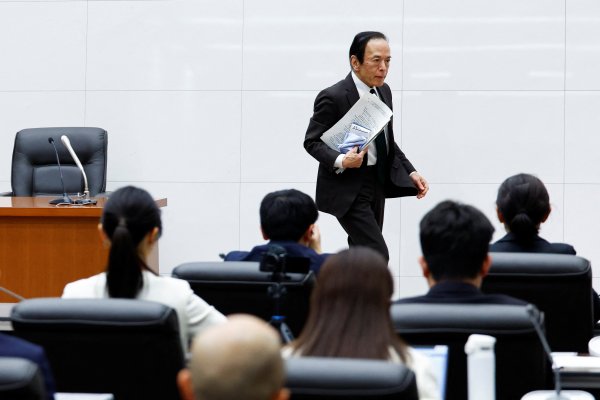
[385,88]
[504,244]
[503,299]
[85,287]
[563,248]
[167,282]
[337,88]
[14,346]
[411,300]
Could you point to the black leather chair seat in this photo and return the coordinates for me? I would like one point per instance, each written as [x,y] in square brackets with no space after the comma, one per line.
[520,359]
[240,287]
[20,379]
[130,348]
[35,170]
[317,378]
[559,285]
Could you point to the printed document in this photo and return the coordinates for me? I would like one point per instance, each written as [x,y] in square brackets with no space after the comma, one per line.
[369,113]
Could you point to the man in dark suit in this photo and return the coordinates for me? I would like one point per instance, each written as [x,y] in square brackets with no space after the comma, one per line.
[353,186]
[455,242]
[287,220]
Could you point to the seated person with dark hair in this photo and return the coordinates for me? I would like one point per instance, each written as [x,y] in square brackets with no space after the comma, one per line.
[522,205]
[455,240]
[287,219]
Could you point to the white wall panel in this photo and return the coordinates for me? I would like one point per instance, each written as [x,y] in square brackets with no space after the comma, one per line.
[199,222]
[150,45]
[582,137]
[290,45]
[480,137]
[207,103]
[582,45]
[474,45]
[274,125]
[582,220]
[167,136]
[409,286]
[43,46]
[21,110]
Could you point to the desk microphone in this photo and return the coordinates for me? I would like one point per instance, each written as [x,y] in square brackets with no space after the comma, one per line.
[65,199]
[86,192]
[555,395]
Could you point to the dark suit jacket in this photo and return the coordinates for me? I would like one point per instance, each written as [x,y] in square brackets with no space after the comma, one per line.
[509,244]
[336,192]
[11,346]
[453,292]
[293,249]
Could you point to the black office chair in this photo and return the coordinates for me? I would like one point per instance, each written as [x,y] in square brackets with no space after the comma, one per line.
[317,378]
[34,168]
[240,287]
[559,285]
[130,348]
[20,379]
[520,360]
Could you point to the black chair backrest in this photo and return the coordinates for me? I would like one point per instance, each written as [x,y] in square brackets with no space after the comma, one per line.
[130,348]
[317,378]
[240,287]
[559,285]
[34,168]
[20,379]
[520,359]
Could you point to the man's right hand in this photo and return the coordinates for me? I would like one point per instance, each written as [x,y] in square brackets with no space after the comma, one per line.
[353,159]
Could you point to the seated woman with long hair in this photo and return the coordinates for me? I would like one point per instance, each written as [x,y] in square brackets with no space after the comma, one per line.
[523,204]
[350,317]
[131,225]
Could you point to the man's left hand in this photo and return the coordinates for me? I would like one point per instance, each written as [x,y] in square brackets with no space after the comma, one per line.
[420,183]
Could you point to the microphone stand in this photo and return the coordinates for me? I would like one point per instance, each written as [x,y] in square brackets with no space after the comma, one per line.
[11,293]
[556,395]
[86,192]
[65,199]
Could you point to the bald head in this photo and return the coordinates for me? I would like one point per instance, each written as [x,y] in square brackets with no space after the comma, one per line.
[238,359]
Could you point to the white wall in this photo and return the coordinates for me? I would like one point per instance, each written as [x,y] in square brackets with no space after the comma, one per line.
[207,102]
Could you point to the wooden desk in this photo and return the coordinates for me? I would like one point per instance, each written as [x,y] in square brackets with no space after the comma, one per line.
[43,247]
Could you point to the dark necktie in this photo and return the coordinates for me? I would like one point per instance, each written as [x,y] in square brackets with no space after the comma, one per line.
[381,153]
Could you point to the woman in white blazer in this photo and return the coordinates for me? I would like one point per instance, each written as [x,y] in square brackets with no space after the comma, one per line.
[131,225]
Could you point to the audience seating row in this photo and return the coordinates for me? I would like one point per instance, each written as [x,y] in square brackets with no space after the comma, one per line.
[309,378]
[559,285]
[113,344]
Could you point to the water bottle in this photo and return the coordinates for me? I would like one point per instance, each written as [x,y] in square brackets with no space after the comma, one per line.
[481,367]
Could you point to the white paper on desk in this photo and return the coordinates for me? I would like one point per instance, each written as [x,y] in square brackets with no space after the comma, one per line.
[573,363]
[368,112]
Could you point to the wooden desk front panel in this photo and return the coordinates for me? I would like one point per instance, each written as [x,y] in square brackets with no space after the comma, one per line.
[39,255]
[44,247]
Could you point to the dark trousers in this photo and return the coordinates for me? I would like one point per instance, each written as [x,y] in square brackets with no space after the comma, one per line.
[364,221]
